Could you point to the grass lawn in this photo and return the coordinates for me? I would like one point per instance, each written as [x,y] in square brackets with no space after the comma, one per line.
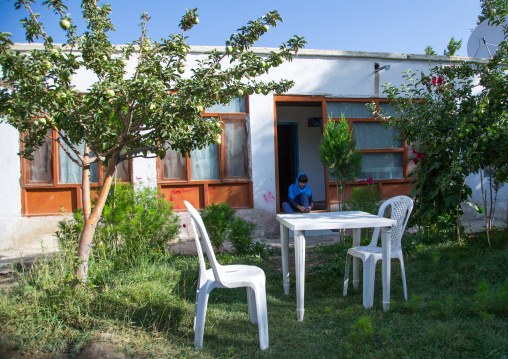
[457,308]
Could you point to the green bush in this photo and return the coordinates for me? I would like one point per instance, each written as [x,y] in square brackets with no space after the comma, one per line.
[222,225]
[135,223]
[364,198]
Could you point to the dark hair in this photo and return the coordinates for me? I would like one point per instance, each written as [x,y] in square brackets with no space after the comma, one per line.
[303,178]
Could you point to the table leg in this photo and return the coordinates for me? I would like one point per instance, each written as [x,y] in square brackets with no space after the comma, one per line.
[300,273]
[386,269]
[284,246]
[357,235]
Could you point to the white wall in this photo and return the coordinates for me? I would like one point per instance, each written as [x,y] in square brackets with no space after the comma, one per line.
[261,127]
[10,190]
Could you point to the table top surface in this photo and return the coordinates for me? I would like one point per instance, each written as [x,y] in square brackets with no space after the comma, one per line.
[333,220]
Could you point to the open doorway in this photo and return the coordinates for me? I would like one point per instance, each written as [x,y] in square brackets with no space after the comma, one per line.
[299,131]
[287,150]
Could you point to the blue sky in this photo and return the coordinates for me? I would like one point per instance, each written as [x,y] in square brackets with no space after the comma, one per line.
[398,26]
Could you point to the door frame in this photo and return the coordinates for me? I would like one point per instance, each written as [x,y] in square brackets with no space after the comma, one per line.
[296,99]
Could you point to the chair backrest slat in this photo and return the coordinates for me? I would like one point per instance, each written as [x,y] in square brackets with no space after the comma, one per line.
[199,226]
[401,208]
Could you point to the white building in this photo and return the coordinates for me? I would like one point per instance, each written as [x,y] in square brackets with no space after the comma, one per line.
[271,139]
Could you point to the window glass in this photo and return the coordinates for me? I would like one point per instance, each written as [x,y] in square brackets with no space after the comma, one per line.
[382,165]
[41,167]
[235,148]
[370,135]
[235,106]
[349,109]
[387,109]
[174,165]
[205,163]
[122,171]
[71,172]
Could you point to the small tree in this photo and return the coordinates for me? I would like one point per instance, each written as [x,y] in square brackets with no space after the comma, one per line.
[338,152]
[125,114]
[453,47]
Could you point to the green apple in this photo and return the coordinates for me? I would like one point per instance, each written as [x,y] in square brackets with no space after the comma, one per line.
[42,121]
[199,108]
[461,135]
[265,27]
[196,20]
[65,24]
[181,69]
[448,139]
[257,90]
[182,50]
[46,65]
[266,92]
[218,139]
[459,169]
[229,49]
[152,106]
[239,92]
[172,45]
[123,62]
[110,93]
[66,76]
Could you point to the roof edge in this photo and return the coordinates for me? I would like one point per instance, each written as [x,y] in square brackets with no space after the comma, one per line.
[19,46]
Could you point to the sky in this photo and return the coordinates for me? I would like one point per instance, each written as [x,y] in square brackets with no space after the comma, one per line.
[395,26]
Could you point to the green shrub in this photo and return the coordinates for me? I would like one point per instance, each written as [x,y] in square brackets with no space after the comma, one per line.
[222,225]
[135,223]
[364,198]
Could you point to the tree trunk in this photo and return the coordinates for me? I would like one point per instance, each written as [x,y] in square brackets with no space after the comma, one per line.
[85,190]
[86,239]
[484,205]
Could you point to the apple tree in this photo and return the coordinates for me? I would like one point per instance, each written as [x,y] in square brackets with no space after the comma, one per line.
[125,115]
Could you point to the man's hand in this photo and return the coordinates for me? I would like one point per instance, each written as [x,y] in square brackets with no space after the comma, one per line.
[301,208]
[308,209]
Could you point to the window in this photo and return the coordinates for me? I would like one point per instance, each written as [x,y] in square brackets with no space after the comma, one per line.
[52,181]
[217,173]
[226,161]
[384,156]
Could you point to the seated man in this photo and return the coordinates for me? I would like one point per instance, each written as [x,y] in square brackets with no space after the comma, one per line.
[299,196]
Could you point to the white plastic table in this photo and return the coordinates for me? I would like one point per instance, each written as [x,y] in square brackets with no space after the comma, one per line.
[356,220]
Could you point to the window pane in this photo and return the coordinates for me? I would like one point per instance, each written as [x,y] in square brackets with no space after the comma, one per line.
[71,172]
[387,109]
[205,163]
[382,165]
[42,164]
[349,109]
[235,148]
[122,171]
[374,135]
[174,165]
[236,105]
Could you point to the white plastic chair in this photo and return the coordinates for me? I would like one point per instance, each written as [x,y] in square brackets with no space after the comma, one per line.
[230,276]
[401,207]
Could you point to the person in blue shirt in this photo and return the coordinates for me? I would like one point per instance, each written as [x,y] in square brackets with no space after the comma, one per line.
[299,196]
